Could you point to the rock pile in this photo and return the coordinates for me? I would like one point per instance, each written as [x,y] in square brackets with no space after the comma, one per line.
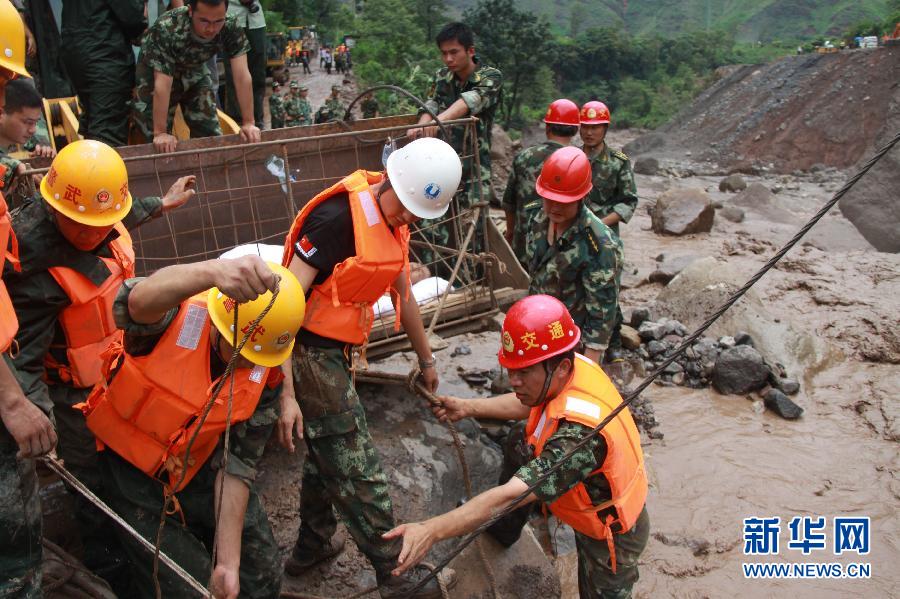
[730,364]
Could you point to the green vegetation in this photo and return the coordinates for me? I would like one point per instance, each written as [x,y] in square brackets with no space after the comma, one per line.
[580,49]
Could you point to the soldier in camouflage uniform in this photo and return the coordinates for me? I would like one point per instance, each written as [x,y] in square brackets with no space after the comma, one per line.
[276,107]
[333,109]
[570,254]
[614,196]
[369,106]
[253,560]
[463,87]
[520,201]
[172,64]
[298,111]
[543,371]
[25,431]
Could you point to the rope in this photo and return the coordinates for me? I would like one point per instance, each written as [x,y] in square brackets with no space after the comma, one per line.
[467,540]
[76,484]
[227,375]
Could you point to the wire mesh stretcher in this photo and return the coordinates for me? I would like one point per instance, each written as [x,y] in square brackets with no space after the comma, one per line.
[250,193]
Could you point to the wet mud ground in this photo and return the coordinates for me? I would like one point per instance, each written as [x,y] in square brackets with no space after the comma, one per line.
[721,458]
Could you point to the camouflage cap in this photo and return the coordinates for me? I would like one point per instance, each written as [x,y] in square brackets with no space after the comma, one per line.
[294,85]
[275,84]
[335,88]
[303,88]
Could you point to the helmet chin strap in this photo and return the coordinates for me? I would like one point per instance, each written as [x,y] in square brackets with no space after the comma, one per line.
[547,380]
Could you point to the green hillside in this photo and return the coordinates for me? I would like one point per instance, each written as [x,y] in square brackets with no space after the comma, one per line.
[749,20]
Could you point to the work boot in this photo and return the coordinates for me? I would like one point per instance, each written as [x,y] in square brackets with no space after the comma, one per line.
[614,354]
[399,586]
[303,559]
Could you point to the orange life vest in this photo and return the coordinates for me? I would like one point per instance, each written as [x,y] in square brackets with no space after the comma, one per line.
[341,306]
[150,409]
[9,324]
[87,321]
[587,399]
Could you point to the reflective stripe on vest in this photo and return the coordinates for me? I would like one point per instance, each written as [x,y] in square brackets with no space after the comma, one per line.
[87,321]
[587,399]
[9,324]
[341,306]
[151,407]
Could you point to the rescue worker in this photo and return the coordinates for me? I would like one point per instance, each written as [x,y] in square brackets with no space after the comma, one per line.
[253,22]
[276,107]
[95,46]
[348,246]
[21,124]
[520,201]
[297,109]
[179,326]
[463,87]
[75,251]
[172,72]
[600,490]
[614,196]
[333,109]
[570,254]
[25,431]
[369,106]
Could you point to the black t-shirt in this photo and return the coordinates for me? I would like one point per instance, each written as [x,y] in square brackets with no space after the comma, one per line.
[325,240]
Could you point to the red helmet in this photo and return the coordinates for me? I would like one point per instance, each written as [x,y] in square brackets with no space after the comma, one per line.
[562,112]
[536,328]
[565,176]
[594,113]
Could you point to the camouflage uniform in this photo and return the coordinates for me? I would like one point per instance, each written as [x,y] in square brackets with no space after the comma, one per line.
[38,300]
[20,522]
[138,498]
[369,108]
[342,470]
[582,270]
[481,93]
[614,191]
[276,110]
[595,575]
[171,48]
[298,111]
[520,197]
[332,110]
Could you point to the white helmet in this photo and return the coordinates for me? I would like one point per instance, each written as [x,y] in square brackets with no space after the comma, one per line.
[425,174]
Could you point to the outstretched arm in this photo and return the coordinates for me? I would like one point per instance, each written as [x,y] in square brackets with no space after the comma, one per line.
[242,279]
[418,537]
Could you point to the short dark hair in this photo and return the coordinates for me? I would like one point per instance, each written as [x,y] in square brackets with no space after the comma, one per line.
[553,361]
[457,31]
[193,3]
[562,130]
[21,93]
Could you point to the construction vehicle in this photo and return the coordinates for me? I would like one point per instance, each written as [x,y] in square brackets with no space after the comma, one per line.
[276,44]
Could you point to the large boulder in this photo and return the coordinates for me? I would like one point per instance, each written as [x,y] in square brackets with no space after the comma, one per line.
[733,182]
[683,211]
[754,195]
[646,165]
[669,267]
[739,370]
[704,285]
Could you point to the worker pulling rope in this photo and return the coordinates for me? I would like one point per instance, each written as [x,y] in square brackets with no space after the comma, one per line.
[671,358]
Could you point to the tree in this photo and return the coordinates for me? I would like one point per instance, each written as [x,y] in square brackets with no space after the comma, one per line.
[430,14]
[514,41]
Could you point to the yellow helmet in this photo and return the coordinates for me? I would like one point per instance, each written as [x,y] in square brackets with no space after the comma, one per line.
[88,183]
[271,343]
[12,39]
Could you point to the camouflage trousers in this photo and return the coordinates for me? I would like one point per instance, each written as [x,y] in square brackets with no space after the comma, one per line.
[188,535]
[20,524]
[193,92]
[342,470]
[77,447]
[596,578]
